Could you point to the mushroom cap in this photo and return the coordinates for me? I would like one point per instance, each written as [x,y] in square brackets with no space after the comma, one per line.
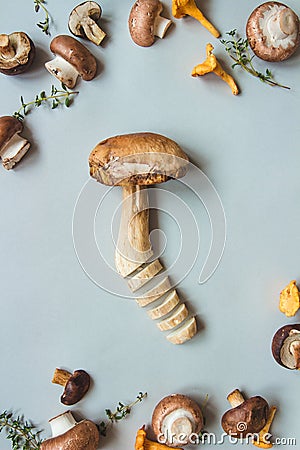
[24,54]
[75,53]
[264,41]
[137,159]
[171,404]
[9,126]
[247,418]
[278,340]
[90,9]
[141,21]
[83,436]
[76,387]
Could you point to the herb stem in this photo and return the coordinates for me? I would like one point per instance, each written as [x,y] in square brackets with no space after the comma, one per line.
[43,25]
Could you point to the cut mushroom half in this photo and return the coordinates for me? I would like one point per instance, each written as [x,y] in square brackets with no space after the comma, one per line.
[145,22]
[12,146]
[72,60]
[75,385]
[167,306]
[17,52]
[286,346]
[83,22]
[184,333]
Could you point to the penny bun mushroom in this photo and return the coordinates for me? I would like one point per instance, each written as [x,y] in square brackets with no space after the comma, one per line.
[145,22]
[246,416]
[67,434]
[73,59]
[175,418]
[286,346]
[76,385]
[12,146]
[17,52]
[273,31]
[83,22]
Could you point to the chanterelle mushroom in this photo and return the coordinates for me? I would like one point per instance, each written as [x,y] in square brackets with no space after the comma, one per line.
[76,385]
[289,302]
[12,146]
[67,434]
[73,59]
[246,416]
[17,52]
[286,346]
[83,22]
[273,31]
[145,22]
[175,418]
[181,8]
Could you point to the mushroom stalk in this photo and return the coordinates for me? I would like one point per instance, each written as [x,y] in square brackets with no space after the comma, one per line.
[14,151]
[92,31]
[62,423]
[63,71]
[161,26]
[235,398]
[134,246]
[6,49]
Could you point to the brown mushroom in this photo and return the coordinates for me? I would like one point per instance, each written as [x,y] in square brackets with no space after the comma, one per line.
[67,434]
[246,416]
[286,346]
[17,52]
[273,31]
[83,22]
[73,59]
[145,22]
[12,146]
[76,385]
[175,419]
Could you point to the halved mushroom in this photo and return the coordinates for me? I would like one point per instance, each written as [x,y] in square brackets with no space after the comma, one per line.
[17,52]
[286,346]
[67,434]
[273,31]
[76,385]
[145,22]
[73,59]
[12,146]
[175,418]
[83,22]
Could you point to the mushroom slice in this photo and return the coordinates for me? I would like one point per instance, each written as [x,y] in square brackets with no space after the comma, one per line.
[168,305]
[178,316]
[73,59]
[154,294]
[184,333]
[286,346]
[82,22]
[145,275]
[17,52]
[12,146]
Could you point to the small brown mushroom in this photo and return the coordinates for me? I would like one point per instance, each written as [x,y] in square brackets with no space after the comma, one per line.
[12,146]
[286,346]
[76,385]
[83,22]
[145,22]
[73,59]
[246,416]
[17,52]
[273,31]
[175,418]
[67,434]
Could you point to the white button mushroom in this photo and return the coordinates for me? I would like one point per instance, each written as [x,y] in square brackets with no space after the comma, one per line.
[82,22]
[12,146]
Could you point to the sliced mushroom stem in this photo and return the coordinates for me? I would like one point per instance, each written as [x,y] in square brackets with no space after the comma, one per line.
[295,351]
[235,398]
[61,377]
[14,151]
[6,49]
[161,26]
[92,31]
[262,442]
[133,246]
[62,423]
[63,71]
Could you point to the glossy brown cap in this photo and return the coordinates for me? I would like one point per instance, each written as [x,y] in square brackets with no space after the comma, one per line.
[9,126]
[76,387]
[141,21]
[278,340]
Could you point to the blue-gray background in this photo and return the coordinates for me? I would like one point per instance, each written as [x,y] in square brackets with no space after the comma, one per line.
[52,315]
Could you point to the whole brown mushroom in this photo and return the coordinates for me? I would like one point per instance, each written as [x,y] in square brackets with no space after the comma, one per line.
[286,346]
[75,385]
[175,419]
[17,52]
[273,31]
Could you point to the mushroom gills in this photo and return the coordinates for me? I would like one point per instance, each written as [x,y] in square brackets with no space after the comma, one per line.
[178,425]
[63,71]
[290,351]
[14,151]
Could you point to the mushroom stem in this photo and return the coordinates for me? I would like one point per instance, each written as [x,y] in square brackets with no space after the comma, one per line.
[262,442]
[63,71]
[235,398]
[295,351]
[62,423]
[133,246]
[161,26]
[92,31]
[6,49]
[280,25]
[61,377]
[14,151]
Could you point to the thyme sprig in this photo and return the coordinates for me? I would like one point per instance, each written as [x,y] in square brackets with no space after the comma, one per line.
[120,413]
[238,50]
[23,434]
[56,97]
[43,25]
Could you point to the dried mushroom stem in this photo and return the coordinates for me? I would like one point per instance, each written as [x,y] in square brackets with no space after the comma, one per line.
[6,49]
[61,377]
[262,441]
[134,246]
[235,398]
